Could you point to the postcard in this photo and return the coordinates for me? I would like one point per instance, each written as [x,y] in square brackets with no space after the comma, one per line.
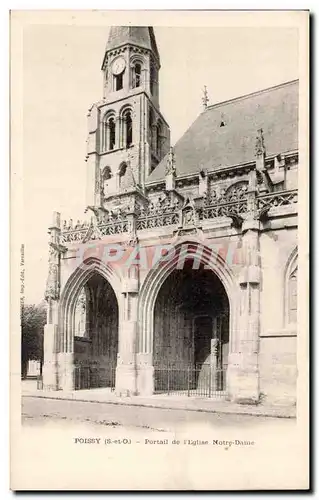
[159,241]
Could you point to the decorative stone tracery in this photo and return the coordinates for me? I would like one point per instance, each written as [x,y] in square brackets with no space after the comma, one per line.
[236,191]
[165,212]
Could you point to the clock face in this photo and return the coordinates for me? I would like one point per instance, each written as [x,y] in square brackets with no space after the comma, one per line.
[118,66]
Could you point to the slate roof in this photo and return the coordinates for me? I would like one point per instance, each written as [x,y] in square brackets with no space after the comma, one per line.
[208,145]
[143,36]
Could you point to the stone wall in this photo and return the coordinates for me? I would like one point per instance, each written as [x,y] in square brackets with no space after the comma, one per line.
[278,368]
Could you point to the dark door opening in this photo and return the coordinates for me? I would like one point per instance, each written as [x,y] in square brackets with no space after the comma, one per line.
[96,337]
[191,332]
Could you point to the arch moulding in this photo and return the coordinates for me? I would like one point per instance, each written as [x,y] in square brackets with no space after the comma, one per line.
[72,290]
[156,277]
[291,266]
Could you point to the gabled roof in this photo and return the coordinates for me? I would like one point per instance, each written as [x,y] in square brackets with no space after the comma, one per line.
[143,36]
[208,145]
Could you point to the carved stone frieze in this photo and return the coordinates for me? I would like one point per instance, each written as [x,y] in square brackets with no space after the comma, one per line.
[237,220]
[260,144]
[52,289]
[132,239]
[277,199]
[93,233]
[236,191]
[56,249]
[115,52]
[237,203]
[170,163]
[188,219]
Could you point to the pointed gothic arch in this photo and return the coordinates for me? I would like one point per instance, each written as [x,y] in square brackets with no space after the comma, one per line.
[291,289]
[191,315]
[157,275]
[71,291]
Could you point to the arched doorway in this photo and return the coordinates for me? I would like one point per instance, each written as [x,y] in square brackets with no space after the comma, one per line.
[191,332]
[96,324]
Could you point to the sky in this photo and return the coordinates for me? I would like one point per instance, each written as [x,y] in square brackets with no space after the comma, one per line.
[61,78]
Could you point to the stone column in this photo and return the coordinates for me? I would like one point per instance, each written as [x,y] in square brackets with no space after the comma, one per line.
[50,341]
[170,172]
[153,136]
[243,372]
[213,364]
[119,140]
[66,371]
[127,73]
[145,373]
[125,369]
[49,369]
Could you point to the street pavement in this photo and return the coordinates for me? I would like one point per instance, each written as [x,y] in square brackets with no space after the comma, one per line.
[37,411]
[86,444]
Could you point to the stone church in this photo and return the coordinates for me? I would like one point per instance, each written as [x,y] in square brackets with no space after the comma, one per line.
[182,279]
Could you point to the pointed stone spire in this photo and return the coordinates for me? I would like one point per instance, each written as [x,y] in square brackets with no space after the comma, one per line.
[170,173]
[203,183]
[260,144]
[170,163]
[260,151]
[141,36]
[205,98]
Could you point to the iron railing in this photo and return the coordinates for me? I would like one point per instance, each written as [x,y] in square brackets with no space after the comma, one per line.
[202,380]
[93,377]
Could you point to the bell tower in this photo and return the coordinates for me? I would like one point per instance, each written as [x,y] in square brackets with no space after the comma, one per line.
[128,136]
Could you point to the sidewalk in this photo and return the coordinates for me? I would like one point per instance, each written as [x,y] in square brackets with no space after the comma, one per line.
[172,402]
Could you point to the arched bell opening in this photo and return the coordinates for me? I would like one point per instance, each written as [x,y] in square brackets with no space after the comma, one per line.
[191,333]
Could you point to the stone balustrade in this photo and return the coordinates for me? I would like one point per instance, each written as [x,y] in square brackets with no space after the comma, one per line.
[167,213]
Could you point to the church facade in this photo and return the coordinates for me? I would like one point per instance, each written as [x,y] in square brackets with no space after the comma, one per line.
[184,279]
